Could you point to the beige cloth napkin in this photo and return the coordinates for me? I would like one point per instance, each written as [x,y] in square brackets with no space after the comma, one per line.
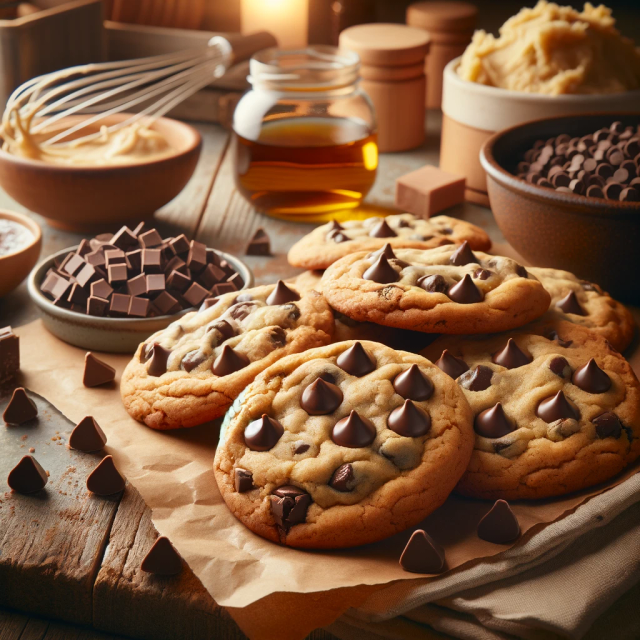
[554,586]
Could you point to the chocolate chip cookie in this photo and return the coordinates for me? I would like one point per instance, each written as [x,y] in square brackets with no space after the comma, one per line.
[554,411]
[193,370]
[443,290]
[587,304]
[330,242]
[343,445]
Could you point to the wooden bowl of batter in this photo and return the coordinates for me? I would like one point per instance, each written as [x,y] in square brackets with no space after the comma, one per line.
[88,197]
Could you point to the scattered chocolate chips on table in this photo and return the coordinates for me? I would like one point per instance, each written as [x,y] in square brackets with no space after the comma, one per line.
[105,479]
[604,164]
[162,559]
[422,554]
[87,436]
[21,408]
[499,525]
[260,244]
[27,476]
[9,356]
[96,372]
[138,274]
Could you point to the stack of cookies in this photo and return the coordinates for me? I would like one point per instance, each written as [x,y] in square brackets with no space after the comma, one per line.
[334,437]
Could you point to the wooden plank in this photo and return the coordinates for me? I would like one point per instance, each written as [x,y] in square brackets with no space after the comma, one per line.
[35,629]
[12,625]
[52,542]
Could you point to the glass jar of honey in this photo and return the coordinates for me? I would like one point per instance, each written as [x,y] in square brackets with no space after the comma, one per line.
[304,136]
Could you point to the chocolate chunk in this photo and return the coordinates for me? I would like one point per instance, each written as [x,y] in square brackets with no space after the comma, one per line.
[289,506]
[356,361]
[134,260]
[150,239]
[162,559]
[282,294]
[236,281]
[176,282]
[224,328]
[20,409]
[54,286]
[119,304]
[263,434]
[211,275]
[195,294]
[629,194]
[87,436]
[607,425]
[570,304]
[155,283]
[241,310]
[409,420]
[465,291]
[96,372]
[259,245]
[591,378]
[124,239]
[207,303]
[105,479]
[180,244]
[422,554]
[157,360]
[166,304]
[477,379]
[353,431]
[493,422]
[9,355]
[510,356]
[114,256]
[343,478]
[499,525]
[321,398]
[197,258]
[433,284]
[229,361]
[382,230]
[413,384]
[193,359]
[557,407]
[594,191]
[560,367]
[139,307]
[463,255]
[452,366]
[178,264]
[613,190]
[27,476]
[97,306]
[135,286]
[243,480]
[151,261]
[73,264]
[381,271]
[300,446]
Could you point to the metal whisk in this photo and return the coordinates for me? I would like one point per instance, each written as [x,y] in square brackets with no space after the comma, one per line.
[151,86]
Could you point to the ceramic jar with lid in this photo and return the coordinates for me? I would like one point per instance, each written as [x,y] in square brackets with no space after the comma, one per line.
[392,71]
[450,26]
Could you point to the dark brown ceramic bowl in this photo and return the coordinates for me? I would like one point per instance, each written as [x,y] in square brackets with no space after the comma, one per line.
[598,240]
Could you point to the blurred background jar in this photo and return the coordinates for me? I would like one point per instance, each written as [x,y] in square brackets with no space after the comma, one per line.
[305,138]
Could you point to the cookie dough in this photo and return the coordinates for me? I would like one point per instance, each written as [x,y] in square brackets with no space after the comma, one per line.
[555,411]
[343,445]
[555,50]
[442,290]
[330,242]
[586,304]
[191,372]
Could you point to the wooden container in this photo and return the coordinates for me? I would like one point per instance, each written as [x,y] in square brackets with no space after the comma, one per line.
[450,26]
[63,34]
[392,73]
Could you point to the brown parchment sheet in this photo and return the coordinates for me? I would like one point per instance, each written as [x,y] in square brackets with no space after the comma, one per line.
[173,472]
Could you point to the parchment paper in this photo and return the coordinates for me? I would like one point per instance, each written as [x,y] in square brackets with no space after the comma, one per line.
[173,472]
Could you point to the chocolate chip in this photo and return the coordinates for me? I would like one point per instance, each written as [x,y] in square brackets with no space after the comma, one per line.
[192,359]
[451,365]
[499,525]
[382,230]
[613,190]
[409,420]
[282,294]
[477,379]
[560,367]
[338,236]
[557,407]
[353,431]
[289,506]
[553,335]
[413,384]
[243,480]
[321,398]
[591,378]
[493,422]
[334,225]
[629,194]
[27,476]
[433,284]
[229,361]
[607,425]
[342,478]
[259,245]
[241,310]
[465,291]
[594,191]
[21,408]
[386,251]
[263,434]
[87,436]
[96,372]
[482,274]
[225,330]
[162,559]
[278,336]
[463,255]
[510,356]
[158,357]
[381,271]
[422,554]
[300,446]
[570,304]
[105,479]
[356,361]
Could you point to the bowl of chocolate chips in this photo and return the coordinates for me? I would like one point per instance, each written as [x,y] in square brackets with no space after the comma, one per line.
[565,192]
[113,291]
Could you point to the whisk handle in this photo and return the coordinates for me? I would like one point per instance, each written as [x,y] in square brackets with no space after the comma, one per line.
[244,46]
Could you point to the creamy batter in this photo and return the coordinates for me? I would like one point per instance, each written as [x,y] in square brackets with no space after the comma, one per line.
[555,50]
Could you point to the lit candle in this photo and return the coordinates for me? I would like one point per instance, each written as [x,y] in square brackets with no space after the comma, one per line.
[287,20]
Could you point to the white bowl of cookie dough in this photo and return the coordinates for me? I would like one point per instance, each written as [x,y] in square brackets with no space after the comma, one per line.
[473,112]
[112,335]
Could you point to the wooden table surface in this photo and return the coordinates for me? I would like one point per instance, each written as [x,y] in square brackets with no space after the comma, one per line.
[78,559]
